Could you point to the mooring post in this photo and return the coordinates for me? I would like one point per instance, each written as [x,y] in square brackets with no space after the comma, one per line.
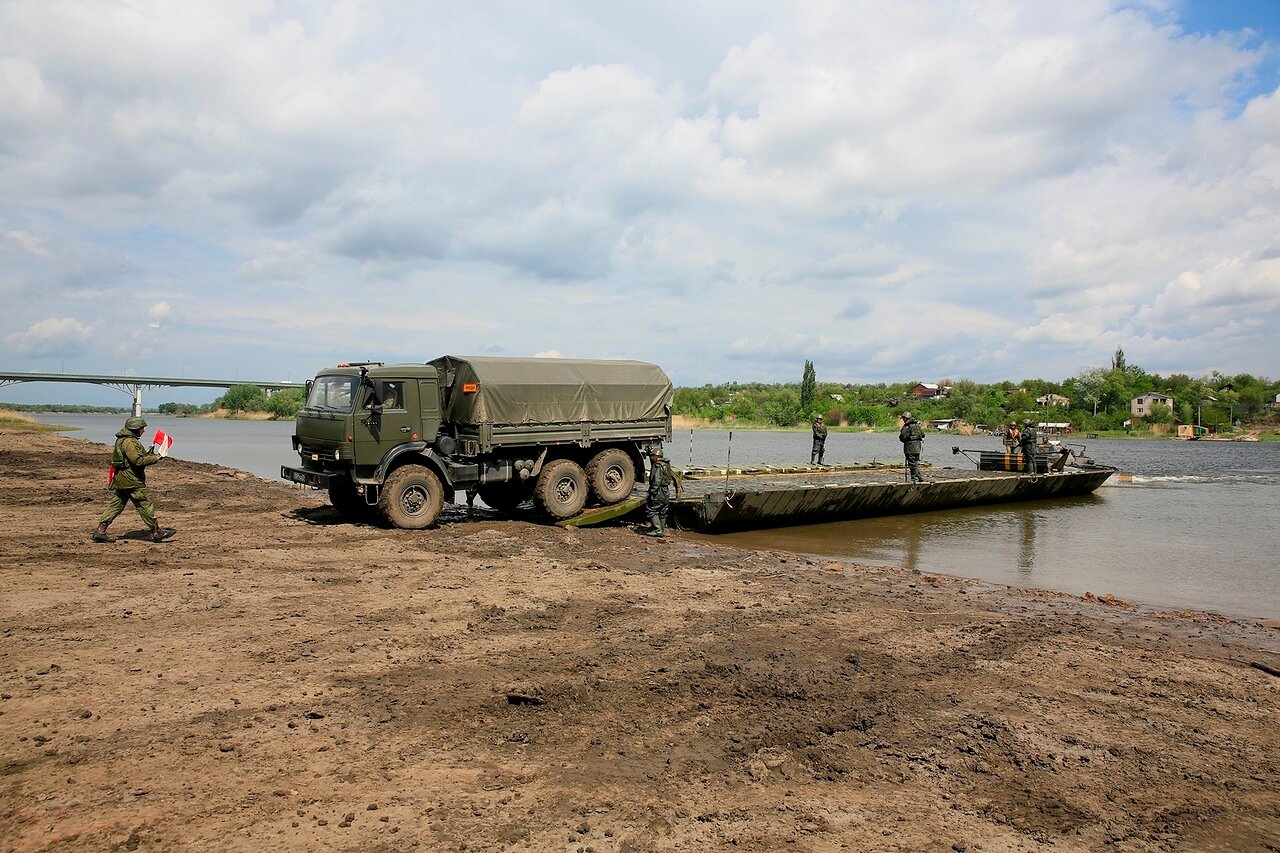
[728,457]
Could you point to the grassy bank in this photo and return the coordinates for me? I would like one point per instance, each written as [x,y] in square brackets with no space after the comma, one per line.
[17,420]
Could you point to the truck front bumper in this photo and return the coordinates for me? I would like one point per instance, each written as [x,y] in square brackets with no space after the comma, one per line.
[314,479]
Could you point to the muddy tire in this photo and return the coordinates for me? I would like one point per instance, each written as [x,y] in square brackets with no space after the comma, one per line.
[505,498]
[612,475]
[411,498]
[561,491]
[343,498]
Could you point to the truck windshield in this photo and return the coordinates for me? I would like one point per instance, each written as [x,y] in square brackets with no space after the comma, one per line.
[335,393]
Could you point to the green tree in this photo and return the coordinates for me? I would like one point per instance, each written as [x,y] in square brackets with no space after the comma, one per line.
[1161,414]
[244,398]
[286,403]
[808,385]
[863,414]
[783,409]
[966,398]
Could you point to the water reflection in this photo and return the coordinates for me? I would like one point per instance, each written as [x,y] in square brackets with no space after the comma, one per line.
[973,542]
[1027,548]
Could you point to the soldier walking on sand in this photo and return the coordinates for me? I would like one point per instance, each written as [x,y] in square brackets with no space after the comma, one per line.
[658,501]
[912,437]
[129,484]
[819,440]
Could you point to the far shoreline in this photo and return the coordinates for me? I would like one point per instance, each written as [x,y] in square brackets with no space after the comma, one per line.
[684,422]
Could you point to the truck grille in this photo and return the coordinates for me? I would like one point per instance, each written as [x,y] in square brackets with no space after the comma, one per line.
[318,454]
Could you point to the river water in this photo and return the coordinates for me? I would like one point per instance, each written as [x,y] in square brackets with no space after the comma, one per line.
[1197,526]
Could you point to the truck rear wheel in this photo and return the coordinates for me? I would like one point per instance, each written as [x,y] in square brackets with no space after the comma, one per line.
[412,497]
[561,491]
[612,475]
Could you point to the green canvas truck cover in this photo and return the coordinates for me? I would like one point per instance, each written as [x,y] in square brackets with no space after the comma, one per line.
[518,391]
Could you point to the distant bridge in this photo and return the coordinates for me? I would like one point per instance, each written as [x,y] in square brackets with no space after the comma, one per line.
[133,385]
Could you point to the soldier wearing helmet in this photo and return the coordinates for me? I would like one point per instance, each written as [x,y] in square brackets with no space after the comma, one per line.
[819,440]
[912,437]
[1028,439]
[127,481]
[658,500]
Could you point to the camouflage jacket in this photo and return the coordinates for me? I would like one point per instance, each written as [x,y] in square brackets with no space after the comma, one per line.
[1028,439]
[661,476]
[131,461]
[819,432]
[912,436]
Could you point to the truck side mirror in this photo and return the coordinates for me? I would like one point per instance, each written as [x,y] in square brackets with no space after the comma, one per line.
[377,392]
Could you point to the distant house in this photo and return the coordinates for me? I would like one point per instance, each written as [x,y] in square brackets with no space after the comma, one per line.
[942,423]
[1141,406]
[839,398]
[1275,404]
[1059,428]
[926,390]
[1053,400]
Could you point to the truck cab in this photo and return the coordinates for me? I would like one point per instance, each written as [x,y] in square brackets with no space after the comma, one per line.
[357,419]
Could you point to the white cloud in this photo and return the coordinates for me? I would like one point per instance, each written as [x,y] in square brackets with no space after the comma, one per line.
[24,98]
[894,189]
[54,336]
[29,242]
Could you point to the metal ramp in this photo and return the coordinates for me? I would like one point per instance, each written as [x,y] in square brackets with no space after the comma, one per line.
[600,514]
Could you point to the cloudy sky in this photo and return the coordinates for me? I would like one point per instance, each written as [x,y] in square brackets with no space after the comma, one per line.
[896,189]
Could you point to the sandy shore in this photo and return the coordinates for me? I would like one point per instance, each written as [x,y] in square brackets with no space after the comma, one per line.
[275,678]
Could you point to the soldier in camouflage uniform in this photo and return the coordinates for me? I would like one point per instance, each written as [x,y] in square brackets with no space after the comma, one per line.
[130,483]
[658,501]
[819,440]
[1028,438]
[912,437]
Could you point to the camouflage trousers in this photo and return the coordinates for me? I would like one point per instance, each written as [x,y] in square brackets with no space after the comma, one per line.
[913,465]
[120,498]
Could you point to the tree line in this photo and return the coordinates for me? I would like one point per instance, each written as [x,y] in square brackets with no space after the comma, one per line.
[1098,399]
[282,404]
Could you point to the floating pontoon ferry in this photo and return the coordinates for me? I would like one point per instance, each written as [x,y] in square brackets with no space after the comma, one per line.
[719,499]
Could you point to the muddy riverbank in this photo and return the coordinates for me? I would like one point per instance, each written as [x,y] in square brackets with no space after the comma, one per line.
[276,678]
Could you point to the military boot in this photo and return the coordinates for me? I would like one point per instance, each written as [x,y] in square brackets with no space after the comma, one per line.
[159,534]
[101,535]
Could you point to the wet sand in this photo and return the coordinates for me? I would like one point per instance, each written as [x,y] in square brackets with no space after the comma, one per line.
[277,678]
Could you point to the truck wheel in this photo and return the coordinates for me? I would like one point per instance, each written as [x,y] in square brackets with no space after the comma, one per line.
[412,497]
[504,499]
[612,475]
[343,498]
[562,489]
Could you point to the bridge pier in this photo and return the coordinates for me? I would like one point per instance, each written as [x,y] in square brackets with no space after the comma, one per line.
[137,401]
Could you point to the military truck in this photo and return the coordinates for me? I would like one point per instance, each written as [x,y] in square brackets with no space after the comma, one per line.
[398,440]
